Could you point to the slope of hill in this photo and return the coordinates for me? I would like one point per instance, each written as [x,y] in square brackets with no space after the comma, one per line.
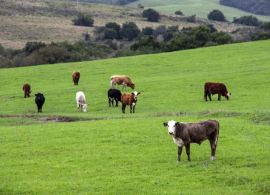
[261,7]
[200,8]
[108,152]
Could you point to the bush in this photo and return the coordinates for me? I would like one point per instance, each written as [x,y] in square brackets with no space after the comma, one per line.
[179,13]
[216,15]
[147,31]
[265,25]
[151,15]
[247,20]
[32,46]
[130,31]
[191,18]
[110,33]
[83,20]
[116,27]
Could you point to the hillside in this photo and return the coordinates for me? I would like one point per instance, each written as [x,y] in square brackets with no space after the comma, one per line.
[106,152]
[199,7]
[46,20]
[261,7]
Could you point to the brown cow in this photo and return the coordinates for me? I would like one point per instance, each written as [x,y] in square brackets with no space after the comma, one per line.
[122,80]
[27,90]
[184,134]
[129,99]
[211,88]
[76,77]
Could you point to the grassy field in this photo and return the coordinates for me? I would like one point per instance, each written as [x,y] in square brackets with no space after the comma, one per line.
[106,152]
[199,7]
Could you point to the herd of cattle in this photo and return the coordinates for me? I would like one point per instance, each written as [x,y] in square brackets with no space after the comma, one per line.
[183,134]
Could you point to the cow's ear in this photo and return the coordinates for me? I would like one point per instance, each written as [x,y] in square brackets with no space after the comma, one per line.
[139,93]
[165,124]
[132,93]
[36,94]
[177,124]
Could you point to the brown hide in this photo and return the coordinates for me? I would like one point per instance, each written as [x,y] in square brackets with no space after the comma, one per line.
[211,88]
[122,80]
[27,90]
[129,99]
[76,77]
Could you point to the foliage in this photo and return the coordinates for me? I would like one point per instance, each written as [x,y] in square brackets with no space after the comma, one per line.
[130,31]
[216,15]
[83,20]
[151,15]
[147,31]
[179,13]
[112,31]
[261,7]
[247,20]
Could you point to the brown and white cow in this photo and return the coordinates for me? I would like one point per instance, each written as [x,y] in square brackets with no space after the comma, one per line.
[76,77]
[122,80]
[27,90]
[129,99]
[184,134]
[211,88]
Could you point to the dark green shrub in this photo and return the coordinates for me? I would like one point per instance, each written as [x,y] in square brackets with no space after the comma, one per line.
[247,20]
[151,15]
[216,15]
[147,31]
[179,13]
[130,31]
[83,20]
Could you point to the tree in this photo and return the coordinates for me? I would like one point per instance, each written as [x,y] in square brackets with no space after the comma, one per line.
[130,31]
[113,26]
[151,15]
[247,20]
[83,20]
[179,13]
[147,31]
[216,15]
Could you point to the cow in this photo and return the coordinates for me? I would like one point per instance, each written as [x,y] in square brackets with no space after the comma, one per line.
[211,88]
[76,77]
[184,134]
[81,101]
[27,90]
[114,94]
[122,80]
[129,99]
[40,100]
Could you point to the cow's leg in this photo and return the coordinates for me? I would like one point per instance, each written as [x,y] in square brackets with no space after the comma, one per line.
[112,102]
[209,96]
[219,97]
[131,108]
[179,153]
[116,102]
[188,151]
[205,96]
[123,108]
[213,145]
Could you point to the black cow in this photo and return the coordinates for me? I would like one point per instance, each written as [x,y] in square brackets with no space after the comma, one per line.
[114,94]
[40,100]
[184,134]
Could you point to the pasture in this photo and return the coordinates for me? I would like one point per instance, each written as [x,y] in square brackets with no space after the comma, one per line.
[106,152]
[199,7]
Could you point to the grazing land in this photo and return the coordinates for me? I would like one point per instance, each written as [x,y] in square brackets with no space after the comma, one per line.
[200,8]
[106,152]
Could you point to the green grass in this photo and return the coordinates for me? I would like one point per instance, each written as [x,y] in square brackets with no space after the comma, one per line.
[108,152]
[200,8]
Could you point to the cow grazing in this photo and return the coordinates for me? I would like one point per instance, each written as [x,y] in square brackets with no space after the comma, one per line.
[81,101]
[76,77]
[27,90]
[211,88]
[114,95]
[184,134]
[122,80]
[129,99]
[40,100]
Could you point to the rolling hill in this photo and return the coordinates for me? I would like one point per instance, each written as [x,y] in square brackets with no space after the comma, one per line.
[106,152]
[200,8]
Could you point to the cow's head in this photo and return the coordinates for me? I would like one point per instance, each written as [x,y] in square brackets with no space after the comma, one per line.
[132,85]
[171,125]
[227,95]
[84,107]
[135,95]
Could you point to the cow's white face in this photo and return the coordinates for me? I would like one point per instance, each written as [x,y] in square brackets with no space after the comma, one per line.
[171,125]
[136,94]
[229,94]
[84,107]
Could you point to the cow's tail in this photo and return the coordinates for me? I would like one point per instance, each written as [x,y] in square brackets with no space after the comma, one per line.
[216,140]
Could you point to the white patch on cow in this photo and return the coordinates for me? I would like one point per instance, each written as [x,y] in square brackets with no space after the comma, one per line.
[84,107]
[171,127]
[133,104]
[81,101]
[212,158]
[135,93]
[179,142]
[228,94]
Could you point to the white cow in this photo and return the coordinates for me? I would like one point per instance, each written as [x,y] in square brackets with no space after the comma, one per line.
[81,101]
